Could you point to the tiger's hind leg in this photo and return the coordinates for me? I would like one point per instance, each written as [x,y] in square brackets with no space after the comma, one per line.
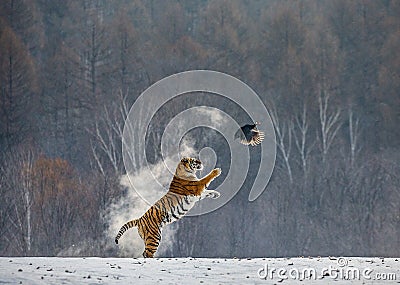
[152,237]
[151,245]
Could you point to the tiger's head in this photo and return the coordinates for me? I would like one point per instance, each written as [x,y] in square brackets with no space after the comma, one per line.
[187,168]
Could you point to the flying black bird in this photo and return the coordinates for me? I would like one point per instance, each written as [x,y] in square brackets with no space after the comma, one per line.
[250,135]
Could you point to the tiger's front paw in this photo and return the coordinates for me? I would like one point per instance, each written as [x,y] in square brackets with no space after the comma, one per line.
[213,194]
[217,172]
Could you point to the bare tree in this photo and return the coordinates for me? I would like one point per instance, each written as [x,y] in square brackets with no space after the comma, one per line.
[17,172]
[329,123]
[300,138]
[106,143]
[354,134]
[107,137]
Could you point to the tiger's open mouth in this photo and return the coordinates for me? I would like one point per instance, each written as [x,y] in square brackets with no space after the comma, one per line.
[196,165]
[192,164]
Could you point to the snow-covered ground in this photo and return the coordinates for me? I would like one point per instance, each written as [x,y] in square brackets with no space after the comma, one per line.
[93,270]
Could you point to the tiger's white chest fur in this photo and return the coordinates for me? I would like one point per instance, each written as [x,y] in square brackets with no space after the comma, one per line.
[180,206]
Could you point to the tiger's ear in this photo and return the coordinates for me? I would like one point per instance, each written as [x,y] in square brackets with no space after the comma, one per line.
[184,160]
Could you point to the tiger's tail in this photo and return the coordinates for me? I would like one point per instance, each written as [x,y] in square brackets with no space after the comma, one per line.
[124,228]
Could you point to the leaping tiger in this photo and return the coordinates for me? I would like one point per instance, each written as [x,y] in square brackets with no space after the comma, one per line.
[184,191]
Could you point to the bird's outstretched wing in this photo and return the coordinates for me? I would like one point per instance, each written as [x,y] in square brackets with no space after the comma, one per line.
[250,135]
[257,137]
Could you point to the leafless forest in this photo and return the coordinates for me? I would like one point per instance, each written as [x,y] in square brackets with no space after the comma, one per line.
[328,70]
